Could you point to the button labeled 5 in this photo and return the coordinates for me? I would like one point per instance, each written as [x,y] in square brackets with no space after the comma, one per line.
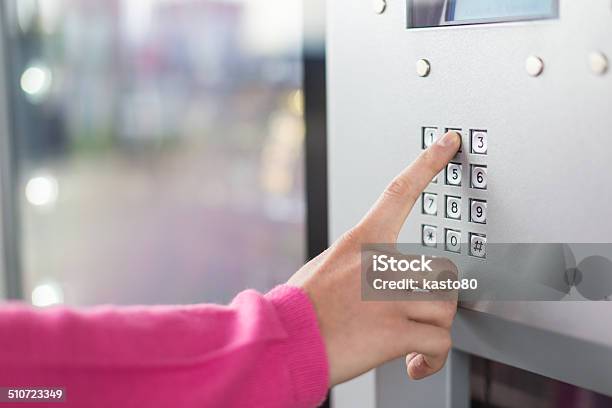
[453,174]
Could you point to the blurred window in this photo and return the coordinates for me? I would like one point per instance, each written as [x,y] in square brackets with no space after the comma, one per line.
[159,147]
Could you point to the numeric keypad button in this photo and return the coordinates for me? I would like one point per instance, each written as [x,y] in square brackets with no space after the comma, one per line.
[479,177]
[429,235]
[430,204]
[430,134]
[453,174]
[478,211]
[453,207]
[478,245]
[453,241]
[480,143]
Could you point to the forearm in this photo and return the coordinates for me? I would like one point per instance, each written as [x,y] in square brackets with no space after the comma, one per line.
[260,350]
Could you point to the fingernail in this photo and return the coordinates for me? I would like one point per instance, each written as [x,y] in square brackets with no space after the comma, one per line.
[449,139]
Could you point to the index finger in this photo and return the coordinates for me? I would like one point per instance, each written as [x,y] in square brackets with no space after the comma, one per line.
[390,211]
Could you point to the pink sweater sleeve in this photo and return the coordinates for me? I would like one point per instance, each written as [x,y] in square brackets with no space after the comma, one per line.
[260,351]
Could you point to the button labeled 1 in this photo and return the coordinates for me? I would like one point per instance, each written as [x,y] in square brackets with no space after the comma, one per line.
[453,207]
[430,204]
[479,141]
[429,136]
[479,177]
[453,174]
[429,235]
[453,241]
[478,211]
[478,245]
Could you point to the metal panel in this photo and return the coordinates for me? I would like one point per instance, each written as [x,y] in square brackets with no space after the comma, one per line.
[548,159]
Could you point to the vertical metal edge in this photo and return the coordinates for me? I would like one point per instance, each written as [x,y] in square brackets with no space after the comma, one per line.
[10,265]
[458,380]
[315,121]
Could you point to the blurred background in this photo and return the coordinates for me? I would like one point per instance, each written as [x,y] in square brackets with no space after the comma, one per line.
[157,147]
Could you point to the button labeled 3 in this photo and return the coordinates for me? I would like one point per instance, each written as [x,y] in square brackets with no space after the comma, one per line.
[479,142]
[479,177]
[453,174]
[430,235]
[478,245]
[453,240]
[478,211]
[430,204]
[453,207]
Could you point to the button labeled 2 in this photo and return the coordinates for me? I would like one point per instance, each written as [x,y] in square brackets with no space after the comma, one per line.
[453,207]
[480,143]
[453,174]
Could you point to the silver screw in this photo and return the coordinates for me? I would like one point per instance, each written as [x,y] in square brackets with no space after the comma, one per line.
[598,62]
[534,66]
[423,67]
[379,6]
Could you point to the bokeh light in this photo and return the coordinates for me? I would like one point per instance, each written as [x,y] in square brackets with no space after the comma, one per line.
[36,81]
[47,294]
[42,191]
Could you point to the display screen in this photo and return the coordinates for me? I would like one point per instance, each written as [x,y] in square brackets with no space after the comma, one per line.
[434,13]
[474,10]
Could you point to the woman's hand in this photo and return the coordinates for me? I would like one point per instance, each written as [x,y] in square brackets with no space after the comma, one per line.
[361,335]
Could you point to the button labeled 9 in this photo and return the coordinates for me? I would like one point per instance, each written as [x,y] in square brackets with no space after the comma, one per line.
[478,211]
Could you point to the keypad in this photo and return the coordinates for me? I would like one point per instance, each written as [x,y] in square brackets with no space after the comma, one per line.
[455,204]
